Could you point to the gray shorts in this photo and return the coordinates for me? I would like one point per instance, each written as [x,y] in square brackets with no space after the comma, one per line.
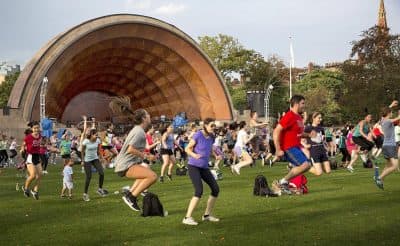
[390,152]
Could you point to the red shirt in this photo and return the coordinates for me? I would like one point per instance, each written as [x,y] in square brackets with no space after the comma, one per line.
[293,127]
[149,140]
[32,144]
[377,132]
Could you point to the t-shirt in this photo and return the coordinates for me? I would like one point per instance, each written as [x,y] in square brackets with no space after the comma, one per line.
[241,138]
[202,147]
[32,144]
[3,144]
[65,147]
[149,140]
[388,133]
[13,145]
[293,127]
[317,140]
[67,173]
[91,149]
[137,139]
[397,133]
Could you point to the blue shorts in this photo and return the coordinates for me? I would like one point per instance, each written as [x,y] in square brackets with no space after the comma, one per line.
[295,156]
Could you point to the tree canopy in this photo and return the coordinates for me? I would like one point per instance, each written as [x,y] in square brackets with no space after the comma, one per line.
[6,87]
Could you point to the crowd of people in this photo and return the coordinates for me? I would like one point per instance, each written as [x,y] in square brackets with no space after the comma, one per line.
[297,139]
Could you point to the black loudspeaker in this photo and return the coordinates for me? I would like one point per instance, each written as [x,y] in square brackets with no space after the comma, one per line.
[6,110]
[255,102]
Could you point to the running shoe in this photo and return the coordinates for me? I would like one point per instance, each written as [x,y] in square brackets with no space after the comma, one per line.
[235,169]
[86,197]
[378,182]
[209,218]
[189,221]
[102,192]
[350,169]
[26,192]
[270,162]
[161,179]
[285,188]
[35,194]
[169,176]
[131,202]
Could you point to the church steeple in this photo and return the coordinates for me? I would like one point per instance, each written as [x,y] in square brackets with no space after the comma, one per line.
[382,24]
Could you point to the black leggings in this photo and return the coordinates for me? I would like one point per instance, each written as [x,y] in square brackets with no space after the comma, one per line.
[197,174]
[3,155]
[13,153]
[44,159]
[345,155]
[88,172]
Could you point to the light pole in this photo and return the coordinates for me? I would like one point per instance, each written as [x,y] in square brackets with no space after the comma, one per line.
[266,101]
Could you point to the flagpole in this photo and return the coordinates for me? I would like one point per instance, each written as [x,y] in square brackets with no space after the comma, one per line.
[291,64]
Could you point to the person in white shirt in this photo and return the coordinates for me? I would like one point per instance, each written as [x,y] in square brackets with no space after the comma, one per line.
[240,149]
[68,183]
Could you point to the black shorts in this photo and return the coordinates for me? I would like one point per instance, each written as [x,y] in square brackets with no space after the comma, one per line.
[67,156]
[166,151]
[363,143]
[378,141]
[33,159]
[318,154]
[328,139]
[107,147]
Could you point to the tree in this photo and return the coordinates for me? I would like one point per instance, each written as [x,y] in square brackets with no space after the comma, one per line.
[323,89]
[6,87]
[373,79]
[226,53]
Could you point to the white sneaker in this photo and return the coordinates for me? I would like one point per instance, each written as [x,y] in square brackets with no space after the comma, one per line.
[350,169]
[189,221]
[86,197]
[235,169]
[209,218]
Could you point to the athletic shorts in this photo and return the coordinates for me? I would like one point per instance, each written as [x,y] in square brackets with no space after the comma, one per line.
[68,185]
[239,151]
[363,143]
[166,151]
[107,147]
[318,154]
[67,156]
[328,139]
[378,141]
[33,159]
[295,156]
[390,152]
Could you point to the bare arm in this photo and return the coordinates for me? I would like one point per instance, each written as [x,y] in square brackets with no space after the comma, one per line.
[276,137]
[189,149]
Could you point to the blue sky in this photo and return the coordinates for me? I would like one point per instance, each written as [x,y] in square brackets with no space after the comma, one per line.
[321,29]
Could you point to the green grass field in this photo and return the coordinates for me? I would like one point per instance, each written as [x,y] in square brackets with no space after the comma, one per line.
[341,209]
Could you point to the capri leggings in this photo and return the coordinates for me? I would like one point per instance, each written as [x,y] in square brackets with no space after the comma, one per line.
[88,172]
[197,174]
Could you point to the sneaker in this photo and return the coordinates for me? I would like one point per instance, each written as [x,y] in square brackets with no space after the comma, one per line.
[189,221]
[270,163]
[102,192]
[70,197]
[17,186]
[235,169]
[161,179]
[131,202]
[169,176]
[86,197]
[26,192]
[285,188]
[44,172]
[209,218]
[350,169]
[63,196]
[378,182]
[35,194]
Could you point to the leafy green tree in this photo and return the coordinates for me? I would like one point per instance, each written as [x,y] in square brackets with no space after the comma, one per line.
[6,87]
[372,80]
[323,90]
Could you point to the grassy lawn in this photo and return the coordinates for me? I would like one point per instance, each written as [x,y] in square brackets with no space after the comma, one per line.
[341,209]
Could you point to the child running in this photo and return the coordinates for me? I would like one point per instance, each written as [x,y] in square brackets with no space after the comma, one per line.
[68,183]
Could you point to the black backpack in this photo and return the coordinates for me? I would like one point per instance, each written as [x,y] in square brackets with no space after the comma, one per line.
[368,164]
[152,205]
[261,187]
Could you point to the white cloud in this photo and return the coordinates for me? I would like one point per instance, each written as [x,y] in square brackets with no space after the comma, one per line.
[170,9]
[138,4]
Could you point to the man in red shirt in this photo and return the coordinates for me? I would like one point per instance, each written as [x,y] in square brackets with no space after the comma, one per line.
[287,135]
